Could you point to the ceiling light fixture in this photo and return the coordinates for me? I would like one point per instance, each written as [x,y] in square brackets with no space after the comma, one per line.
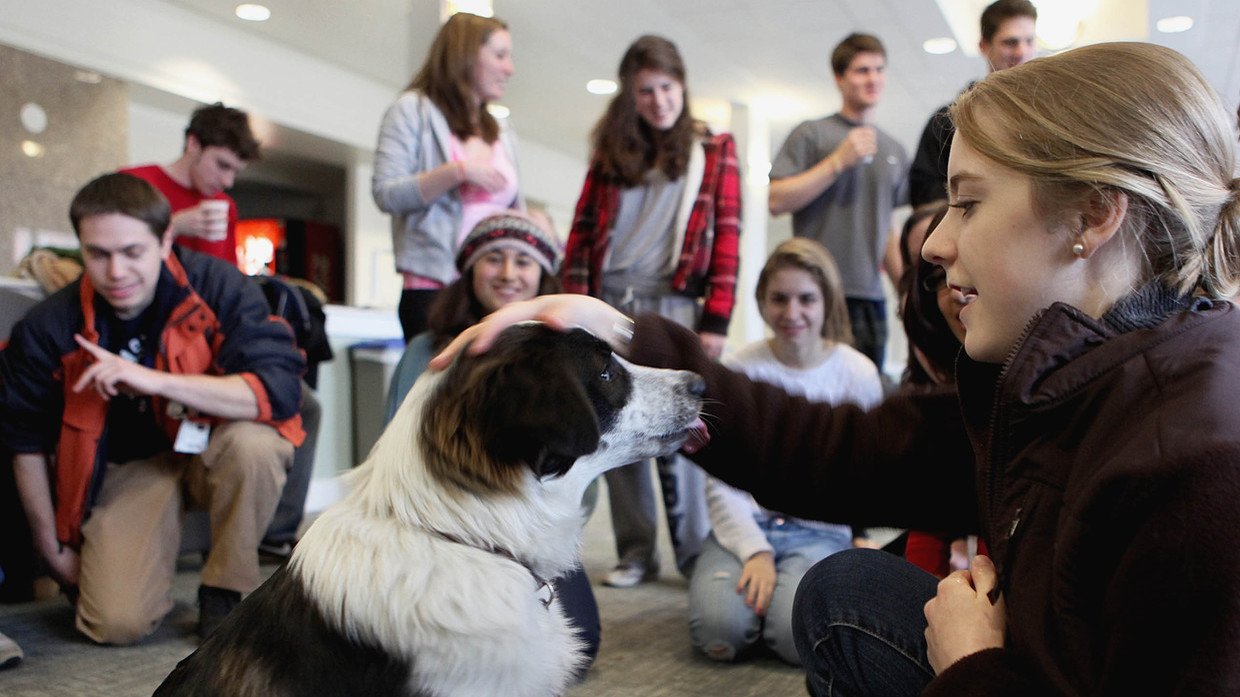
[33,118]
[602,87]
[939,45]
[33,149]
[499,111]
[482,8]
[253,13]
[1060,22]
[1174,25]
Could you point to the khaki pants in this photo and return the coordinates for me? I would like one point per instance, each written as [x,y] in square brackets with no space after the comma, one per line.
[133,533]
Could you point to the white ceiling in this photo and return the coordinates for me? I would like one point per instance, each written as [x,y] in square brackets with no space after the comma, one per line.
[771,53]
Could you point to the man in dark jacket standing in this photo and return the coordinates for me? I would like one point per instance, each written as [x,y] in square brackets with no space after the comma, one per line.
[157,380]
[1008,31]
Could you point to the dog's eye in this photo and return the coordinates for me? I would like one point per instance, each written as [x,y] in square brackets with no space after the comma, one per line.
[605,376]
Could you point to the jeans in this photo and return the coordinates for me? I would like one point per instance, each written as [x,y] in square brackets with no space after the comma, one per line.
[721,625]
[868,320]
[631,490]
[635,518]
[292,507]
[859,625]
[577,600]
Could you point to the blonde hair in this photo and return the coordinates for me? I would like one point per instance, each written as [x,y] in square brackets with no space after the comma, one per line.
[1131,118]
[814,259]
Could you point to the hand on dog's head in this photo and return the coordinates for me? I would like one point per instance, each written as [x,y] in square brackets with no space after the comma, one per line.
[538,399]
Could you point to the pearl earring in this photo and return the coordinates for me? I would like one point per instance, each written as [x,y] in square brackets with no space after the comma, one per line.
[1078,250]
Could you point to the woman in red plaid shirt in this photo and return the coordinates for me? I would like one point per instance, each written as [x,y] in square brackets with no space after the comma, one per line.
[656,229]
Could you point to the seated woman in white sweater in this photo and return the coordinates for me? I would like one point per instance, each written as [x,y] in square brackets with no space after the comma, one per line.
[741,591]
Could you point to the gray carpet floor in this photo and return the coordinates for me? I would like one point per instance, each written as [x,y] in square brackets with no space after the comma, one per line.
[645,650]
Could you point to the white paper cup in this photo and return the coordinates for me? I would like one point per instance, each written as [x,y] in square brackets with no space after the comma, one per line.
[216,214]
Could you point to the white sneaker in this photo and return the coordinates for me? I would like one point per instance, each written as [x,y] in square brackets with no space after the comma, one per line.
[10,653]
[629,575]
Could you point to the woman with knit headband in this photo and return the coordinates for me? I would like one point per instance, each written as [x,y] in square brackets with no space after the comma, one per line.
[505,258]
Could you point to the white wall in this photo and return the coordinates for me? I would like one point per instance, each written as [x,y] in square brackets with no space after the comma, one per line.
[185,53]
[164,49]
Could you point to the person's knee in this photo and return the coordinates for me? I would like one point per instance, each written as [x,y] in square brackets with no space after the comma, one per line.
[716,640]
[245,448]
[721,651]
[721,638]
[118,627]
[825,591]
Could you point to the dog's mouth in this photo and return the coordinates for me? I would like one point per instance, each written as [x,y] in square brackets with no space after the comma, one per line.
[693,438]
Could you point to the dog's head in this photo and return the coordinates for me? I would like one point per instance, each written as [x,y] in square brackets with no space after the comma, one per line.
[536,401]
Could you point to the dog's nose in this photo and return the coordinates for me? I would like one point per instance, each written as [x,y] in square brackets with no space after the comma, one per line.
[695,385]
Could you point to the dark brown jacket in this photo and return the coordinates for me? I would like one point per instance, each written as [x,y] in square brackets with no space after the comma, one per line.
[1107,483]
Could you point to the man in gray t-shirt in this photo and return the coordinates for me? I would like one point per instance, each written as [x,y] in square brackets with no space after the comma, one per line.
[841,177]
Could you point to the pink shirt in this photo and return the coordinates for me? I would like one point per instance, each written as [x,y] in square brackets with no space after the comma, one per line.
[476,202]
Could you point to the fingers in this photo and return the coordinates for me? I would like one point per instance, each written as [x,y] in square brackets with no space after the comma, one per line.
[91,347]
[864,140]
[449,352]
[484,175]
[100,378]
[984,577]
[712,344]
[560,312]
[480,336]
[757,591]
[494,182]
[95,374]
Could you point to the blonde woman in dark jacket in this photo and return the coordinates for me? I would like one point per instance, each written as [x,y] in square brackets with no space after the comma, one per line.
[1094,231]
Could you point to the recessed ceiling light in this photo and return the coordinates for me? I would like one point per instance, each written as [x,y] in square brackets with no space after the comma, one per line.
[601,87]
[32,148]
[1174,25]
[499,111]
[940,45]
[253,13]
[33,118]
[482,8]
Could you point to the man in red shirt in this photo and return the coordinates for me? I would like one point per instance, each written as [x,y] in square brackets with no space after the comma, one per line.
[218,145]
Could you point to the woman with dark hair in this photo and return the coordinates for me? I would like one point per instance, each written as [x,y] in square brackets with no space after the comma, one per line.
[443,162]
[506,258]
[930,312]
[929,309]
[656,230]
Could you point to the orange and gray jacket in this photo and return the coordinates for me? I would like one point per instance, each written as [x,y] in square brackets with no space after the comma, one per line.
[215,321]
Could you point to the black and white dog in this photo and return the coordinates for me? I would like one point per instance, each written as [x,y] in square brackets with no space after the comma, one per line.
[430,577]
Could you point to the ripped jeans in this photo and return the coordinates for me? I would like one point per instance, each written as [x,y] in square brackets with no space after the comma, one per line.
[721,625]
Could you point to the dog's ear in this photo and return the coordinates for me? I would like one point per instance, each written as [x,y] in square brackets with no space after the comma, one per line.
[539,415]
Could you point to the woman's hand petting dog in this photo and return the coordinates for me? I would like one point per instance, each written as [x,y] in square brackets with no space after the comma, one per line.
[562,312]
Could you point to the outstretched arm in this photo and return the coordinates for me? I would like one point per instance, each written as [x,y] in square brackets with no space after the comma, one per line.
[223,396]
[810,460]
